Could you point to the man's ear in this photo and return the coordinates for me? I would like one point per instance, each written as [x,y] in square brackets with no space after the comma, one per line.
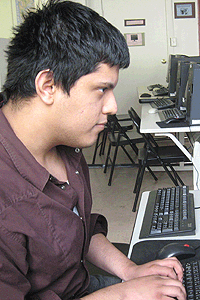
[44,84]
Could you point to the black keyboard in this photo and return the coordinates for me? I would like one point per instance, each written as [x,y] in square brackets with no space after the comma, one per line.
[171,115]
[169,212]
[191,280]
[162,103]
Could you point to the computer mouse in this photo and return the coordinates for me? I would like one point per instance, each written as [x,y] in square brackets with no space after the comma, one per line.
[172,120]
[176,249]
[145,95]
[153,110]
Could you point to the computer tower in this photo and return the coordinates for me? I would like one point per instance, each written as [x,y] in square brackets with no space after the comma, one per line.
[192,95]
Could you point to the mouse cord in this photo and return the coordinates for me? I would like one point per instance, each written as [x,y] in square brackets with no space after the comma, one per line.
[197,248]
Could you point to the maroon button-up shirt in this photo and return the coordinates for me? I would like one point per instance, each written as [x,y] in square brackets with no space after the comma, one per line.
[43,243]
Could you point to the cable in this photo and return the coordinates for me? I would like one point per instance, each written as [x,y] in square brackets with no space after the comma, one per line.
[102,8]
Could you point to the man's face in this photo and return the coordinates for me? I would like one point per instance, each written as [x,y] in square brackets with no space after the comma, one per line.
[83,114]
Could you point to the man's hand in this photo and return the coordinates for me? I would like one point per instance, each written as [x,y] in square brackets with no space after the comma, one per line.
[154,288]
[169,267]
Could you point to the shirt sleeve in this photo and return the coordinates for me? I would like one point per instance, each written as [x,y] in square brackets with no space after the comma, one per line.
[98,224]
[13,266]
[13,271]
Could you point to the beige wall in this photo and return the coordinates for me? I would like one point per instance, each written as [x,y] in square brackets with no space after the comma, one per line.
[6,17]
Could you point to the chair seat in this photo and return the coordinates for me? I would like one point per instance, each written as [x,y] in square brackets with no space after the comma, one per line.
[171,153]
[132,134]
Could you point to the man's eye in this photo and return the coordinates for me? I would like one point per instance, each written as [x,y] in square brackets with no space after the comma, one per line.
[102,89]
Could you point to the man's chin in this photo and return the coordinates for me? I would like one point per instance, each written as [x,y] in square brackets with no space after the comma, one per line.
[90,143]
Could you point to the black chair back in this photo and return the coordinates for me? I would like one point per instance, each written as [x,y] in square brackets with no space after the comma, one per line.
[148,138]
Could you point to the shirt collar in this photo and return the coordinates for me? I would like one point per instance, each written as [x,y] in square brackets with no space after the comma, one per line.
[24,161]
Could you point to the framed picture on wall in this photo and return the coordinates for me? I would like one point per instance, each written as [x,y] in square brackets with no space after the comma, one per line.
[184,10]
[21,6]
[135,39]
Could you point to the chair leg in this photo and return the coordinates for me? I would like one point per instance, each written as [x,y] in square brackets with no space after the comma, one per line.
[176,175]
[174,180]
[134,147]
[152,173]
[96,147]
[103,145]
[107,158]
[138,187]
[138,177]
[113,165]
[125,151]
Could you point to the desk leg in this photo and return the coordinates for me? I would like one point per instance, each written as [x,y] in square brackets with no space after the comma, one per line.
[196,165]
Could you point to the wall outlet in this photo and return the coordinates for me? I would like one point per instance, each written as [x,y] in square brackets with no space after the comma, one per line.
[173,42]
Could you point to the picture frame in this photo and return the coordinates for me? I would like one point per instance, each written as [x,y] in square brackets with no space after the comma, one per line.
[183,10]
[135,39]
[134,22]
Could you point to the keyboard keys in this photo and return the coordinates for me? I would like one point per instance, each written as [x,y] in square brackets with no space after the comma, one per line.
[169,211]
[191,280]
[171,113]
[162,103]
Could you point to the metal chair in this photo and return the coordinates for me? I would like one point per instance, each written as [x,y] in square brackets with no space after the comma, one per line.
[102,136]
[121,136]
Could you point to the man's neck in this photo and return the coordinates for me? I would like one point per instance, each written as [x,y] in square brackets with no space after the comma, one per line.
[31,130]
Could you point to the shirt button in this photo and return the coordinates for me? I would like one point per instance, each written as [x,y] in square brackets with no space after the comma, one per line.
[77,150]
[81,218]
[63,187]
[77,172]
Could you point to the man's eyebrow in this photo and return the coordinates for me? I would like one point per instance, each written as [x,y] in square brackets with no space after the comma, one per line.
[108,84]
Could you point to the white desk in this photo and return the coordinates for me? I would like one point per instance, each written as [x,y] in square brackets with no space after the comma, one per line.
[140,215]
[148,125]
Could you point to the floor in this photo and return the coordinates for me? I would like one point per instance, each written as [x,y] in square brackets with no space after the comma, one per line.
[115,202]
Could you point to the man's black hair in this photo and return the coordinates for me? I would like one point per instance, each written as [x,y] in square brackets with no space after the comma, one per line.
[65,37]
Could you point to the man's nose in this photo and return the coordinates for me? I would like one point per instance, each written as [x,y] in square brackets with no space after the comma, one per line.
[110,105]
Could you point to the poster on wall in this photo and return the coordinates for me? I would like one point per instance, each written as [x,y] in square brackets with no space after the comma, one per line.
[22,5]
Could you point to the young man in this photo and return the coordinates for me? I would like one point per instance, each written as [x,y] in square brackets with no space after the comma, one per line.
[63,65]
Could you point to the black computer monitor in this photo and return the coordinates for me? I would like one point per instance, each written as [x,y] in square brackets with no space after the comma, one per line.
[191,102]
[182,78]
[171,56]
[172,73]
